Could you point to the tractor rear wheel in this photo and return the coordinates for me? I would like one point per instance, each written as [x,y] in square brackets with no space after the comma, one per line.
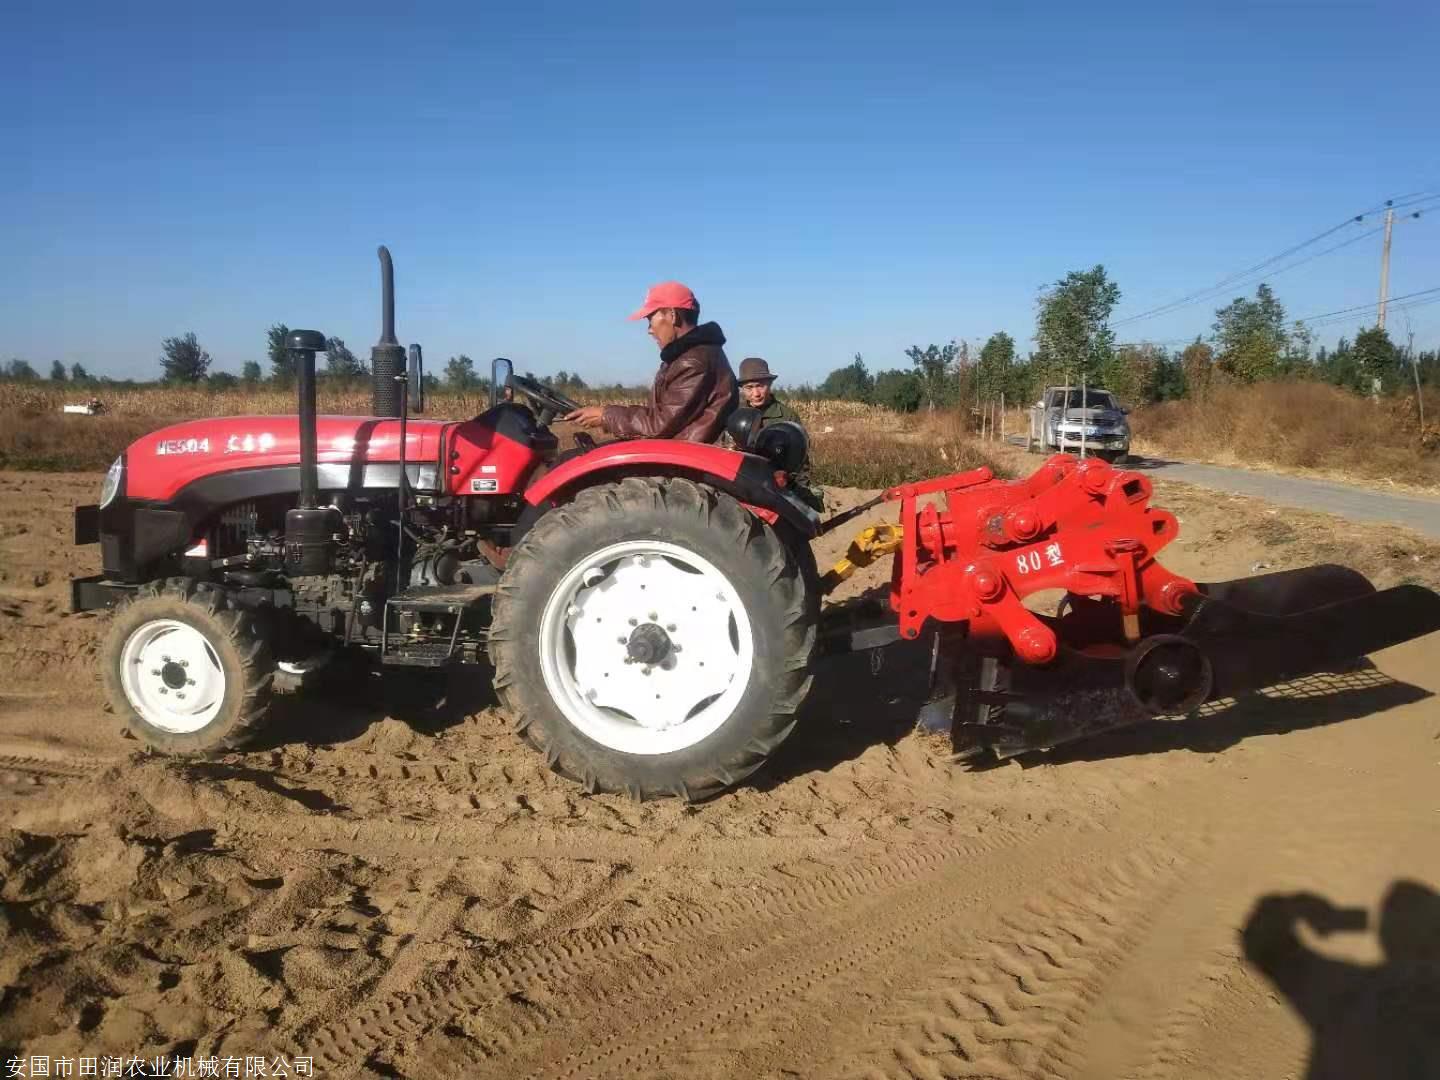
[187,672]
[653,637]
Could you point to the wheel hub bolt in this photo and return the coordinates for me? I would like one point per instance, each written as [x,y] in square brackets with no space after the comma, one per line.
[189,682]
[648,645]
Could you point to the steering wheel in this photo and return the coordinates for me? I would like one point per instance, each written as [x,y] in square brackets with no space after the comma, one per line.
[549,401]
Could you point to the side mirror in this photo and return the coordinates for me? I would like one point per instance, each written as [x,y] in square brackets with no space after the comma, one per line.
[497,383]
[417,378]
[1125,411]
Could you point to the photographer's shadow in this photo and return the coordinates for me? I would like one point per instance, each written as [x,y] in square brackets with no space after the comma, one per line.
[1369,1022]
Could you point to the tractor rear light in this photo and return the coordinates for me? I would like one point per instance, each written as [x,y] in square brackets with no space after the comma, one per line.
[111,487]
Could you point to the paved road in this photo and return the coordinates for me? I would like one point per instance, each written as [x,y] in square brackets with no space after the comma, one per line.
[1347,500]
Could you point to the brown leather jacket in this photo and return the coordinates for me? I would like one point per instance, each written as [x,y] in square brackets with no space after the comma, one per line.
[694,393]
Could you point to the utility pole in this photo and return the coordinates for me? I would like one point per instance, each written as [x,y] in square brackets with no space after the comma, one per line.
[1415,369]
[1385,262]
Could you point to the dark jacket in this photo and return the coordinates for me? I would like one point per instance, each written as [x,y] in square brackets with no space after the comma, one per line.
[694,392]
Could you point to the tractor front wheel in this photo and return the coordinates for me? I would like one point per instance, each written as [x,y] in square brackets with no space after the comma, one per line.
[188,672]
[653,637]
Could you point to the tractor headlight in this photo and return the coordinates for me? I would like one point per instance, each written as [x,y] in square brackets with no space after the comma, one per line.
[111,486]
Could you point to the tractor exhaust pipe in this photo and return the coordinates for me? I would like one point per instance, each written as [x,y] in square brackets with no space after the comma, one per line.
[303,345]
[387,357]
[308,527]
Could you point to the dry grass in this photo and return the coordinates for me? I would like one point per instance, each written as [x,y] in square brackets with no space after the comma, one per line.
[1297,426]
[170,402]
[67,443]
[879,448]
[855,445]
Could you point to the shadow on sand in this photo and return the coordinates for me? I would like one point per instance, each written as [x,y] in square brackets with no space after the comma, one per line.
[1313,701]
[853,705]
[1379,1022]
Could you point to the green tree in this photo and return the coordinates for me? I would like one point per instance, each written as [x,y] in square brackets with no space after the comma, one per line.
[460,373]
[340,362]
[183,360]
[1250,336]
[1296,360]
[57,372]
[250,373]
[1072,326]
[1197,363]
[1130,372]
[19,371]
[1167,380]
[222,381]
[282,364]
[849,383]
[570,380]
[1377,358]
[937,367]
[993,372]
[898,390]
[1341,368]
[78,373]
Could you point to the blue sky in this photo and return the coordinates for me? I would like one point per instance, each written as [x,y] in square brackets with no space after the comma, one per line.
[829,178]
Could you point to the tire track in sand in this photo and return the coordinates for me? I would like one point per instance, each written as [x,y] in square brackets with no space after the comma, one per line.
[527,990]
[790,975]
[46,769]
[1012,1001]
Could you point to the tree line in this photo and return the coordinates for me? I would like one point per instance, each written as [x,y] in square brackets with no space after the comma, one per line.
[1250,340]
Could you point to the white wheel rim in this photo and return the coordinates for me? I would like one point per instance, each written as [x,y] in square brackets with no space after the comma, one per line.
[172,677]
[593,615]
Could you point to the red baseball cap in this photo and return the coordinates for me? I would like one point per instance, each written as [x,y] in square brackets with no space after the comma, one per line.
[668,294]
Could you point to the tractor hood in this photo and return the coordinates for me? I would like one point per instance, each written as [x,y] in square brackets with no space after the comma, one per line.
[160,464]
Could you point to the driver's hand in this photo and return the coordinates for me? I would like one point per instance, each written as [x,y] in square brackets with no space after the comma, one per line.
[590,416]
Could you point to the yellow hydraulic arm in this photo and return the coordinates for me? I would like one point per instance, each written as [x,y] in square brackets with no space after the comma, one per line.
[868,546]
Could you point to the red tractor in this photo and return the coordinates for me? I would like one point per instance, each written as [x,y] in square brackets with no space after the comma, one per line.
[651,609]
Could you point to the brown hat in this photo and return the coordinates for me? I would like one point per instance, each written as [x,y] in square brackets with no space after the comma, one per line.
[753,369]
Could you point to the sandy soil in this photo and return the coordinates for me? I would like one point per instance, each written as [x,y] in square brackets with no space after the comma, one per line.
[394,886]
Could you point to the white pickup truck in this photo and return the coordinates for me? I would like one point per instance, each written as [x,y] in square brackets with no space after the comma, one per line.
[1069,417]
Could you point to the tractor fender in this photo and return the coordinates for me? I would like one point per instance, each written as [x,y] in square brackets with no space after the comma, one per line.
[750,479]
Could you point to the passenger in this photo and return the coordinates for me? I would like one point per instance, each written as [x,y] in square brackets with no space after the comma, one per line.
[757,390]
[694,390]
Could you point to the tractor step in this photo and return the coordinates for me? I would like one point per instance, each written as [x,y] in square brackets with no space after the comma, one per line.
[423,625]
[428,654]
[439,599]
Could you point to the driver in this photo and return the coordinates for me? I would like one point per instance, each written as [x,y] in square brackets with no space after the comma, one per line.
[694,390]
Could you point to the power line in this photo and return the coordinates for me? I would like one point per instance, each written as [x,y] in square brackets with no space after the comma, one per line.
[1345,312]
[1338,320]
[1402,201]
[1412,199]
[1226,282]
